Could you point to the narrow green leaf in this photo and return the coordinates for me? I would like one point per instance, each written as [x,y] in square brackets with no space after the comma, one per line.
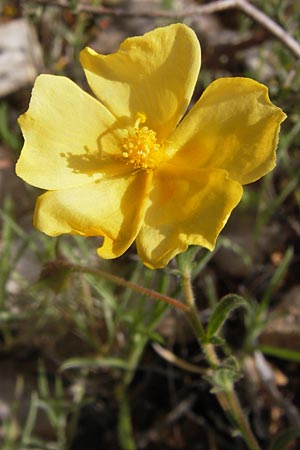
[8,136]
[283,353]
[7,316]
[277,278]
[5,252]
[94,363]
[226,305]
[272,207]
[283,439]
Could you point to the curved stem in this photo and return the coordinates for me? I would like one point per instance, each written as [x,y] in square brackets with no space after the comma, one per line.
[129,284]
[227,398]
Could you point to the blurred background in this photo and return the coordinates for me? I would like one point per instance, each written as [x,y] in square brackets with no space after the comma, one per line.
[85,364]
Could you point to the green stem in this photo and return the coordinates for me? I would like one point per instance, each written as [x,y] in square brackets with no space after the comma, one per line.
[227,399]
[230,403]
[192,313]
[187,287]
[125,430]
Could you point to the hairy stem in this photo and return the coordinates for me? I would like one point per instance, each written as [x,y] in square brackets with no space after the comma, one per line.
[129,284]
[227,398]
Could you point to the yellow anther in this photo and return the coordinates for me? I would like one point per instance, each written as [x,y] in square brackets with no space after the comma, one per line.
[140,147]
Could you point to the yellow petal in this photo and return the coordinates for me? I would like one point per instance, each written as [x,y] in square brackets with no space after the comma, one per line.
[187,207]
[153,74]
[234,127]
[68,136]
[110,208]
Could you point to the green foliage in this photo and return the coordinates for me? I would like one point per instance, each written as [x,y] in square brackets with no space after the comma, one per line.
[221,312]
[86,306]
[282,353]
[257,311]
[285,438]
[98,329]
[8,135]
[225,376]
[5,253]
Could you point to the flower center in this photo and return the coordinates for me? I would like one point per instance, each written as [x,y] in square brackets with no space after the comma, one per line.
[140,147]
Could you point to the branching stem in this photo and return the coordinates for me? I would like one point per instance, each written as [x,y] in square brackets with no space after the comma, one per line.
[216,6]
[227,398]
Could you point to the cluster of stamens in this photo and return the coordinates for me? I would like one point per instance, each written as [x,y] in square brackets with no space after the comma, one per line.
[140,147]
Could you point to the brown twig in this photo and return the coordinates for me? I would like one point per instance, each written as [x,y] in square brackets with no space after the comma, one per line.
[210,8]
[269,24]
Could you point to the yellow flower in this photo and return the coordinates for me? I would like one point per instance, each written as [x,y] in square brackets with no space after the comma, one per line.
[126,166]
